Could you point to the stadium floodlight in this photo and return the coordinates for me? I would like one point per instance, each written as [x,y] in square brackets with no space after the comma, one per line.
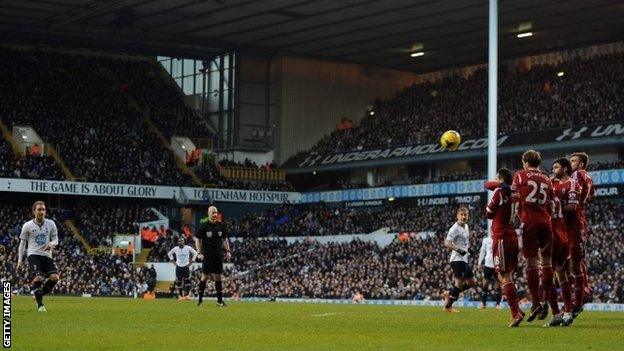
[525,35]
[371,112]
[390,199]
[417,53]
[560,74]
[314,172]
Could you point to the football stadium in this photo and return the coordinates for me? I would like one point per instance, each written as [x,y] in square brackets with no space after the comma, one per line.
[312,174]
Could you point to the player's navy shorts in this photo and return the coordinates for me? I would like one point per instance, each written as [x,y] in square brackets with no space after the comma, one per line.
[537,237]
[489,273]
[183,273]
[505,253]
[212,264]
[461,270]
[41,265]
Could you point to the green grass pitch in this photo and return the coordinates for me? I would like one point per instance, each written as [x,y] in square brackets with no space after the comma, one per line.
[163,324]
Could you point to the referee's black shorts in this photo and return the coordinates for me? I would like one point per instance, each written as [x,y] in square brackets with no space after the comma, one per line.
[461,270]
[212,264]
[41,265]
[489,273]
[183,273]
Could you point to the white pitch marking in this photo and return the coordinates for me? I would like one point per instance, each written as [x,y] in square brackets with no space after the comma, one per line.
[327,314]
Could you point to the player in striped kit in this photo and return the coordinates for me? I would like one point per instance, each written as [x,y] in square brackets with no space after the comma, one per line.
[184,258]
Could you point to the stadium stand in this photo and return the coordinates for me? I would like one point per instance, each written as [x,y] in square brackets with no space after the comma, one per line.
[99,223]
[72,102]
[29,166]
[529,100]
[414,269]
[97,273]
[318,220]
[149,85]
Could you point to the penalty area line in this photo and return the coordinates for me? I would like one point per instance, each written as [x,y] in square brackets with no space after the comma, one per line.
[327,314]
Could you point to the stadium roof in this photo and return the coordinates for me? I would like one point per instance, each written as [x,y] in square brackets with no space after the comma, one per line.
[380,32]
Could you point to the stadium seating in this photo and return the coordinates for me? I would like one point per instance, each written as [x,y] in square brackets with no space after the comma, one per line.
[31,167]
[159,97]
[82,104]
[301,220]
[73,102]
[597,166]
[81,272]
[414,269]
[589,92]
[344,183]
[99,223]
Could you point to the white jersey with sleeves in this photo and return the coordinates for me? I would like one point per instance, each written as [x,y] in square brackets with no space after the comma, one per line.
[183,255]
[38,236]
[486,253]
[460,236]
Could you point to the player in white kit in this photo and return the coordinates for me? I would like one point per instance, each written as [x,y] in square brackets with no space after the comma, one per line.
[184,258]
[490,279]
[458,241]
[38,239]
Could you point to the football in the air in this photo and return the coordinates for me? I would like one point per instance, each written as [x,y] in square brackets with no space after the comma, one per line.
[450,140]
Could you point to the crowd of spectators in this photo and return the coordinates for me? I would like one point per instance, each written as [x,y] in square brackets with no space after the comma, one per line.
[31,166]
[533,99]
[345,183]
[99,223]
[159,97]
[81,272]
[81,104]
[210,174]
[73,102]
[414,269]
[319,220]
[599,166]
[248,164]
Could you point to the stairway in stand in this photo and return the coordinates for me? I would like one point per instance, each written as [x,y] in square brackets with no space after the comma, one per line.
[163,285]
[77,233]
[141,260]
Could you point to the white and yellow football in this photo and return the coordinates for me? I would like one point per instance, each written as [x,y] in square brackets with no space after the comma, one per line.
[450,140]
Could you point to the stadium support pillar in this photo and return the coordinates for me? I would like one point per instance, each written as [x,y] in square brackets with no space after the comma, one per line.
[492,92]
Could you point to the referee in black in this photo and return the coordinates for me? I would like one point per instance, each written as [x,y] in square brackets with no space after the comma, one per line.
[210,242]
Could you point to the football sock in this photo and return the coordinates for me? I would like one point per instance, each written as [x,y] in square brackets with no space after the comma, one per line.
[454,294]
[219,288]
[509,289]
[497,296]
[578,290]
[533,282]
[547,282]
[566,295]
[554,305]
[36,284]
[48,286]
[483,297]
[202,287]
